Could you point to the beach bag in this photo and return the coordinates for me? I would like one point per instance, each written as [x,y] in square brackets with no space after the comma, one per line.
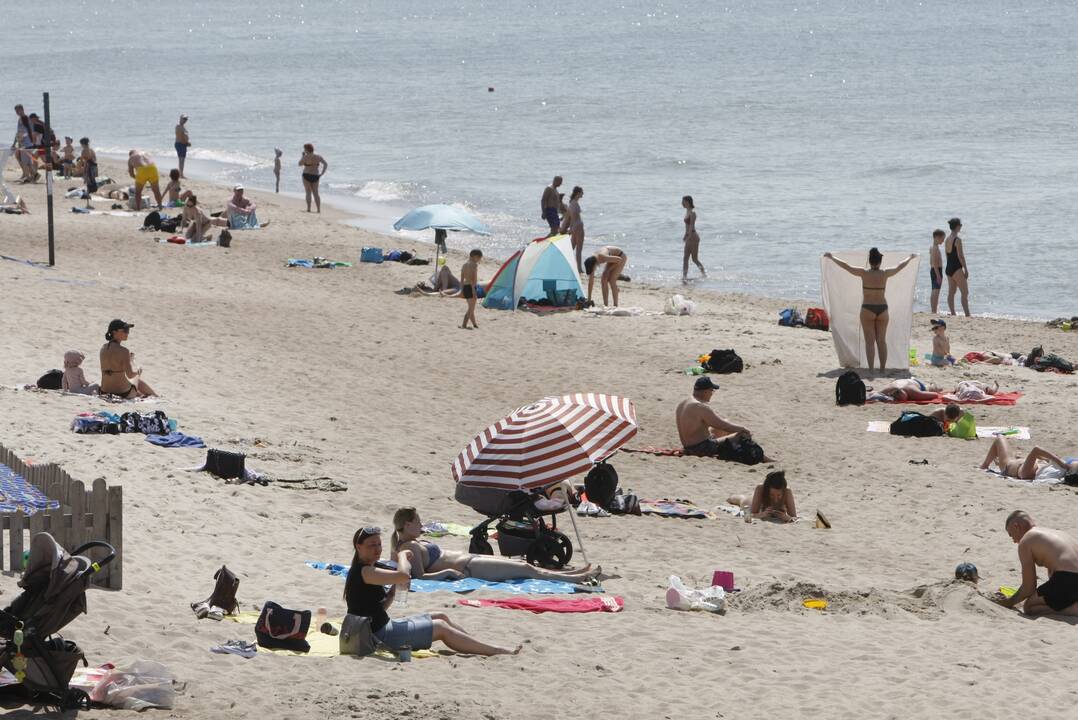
[743,450]
[224,592]
[601,483]
[155,423]
[627,504]
[790,317]
[169,224]
[153,220]
[965,427]
[279,628]
[356,636]
[371,255]
[1054,362]
[225,464]
[914,424]
[52,380]
[724,361]
[850,389]
[816,319]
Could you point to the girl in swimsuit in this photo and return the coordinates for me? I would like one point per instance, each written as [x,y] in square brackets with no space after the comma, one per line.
[314,167]
[772,500]
[691,240]
[1008,462]
[116,369]
[615,259]
[956,270]
[574,223]
[423,559]
[874,316]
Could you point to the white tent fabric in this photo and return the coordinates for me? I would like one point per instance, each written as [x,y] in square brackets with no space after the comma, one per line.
[6,196]
[842,296]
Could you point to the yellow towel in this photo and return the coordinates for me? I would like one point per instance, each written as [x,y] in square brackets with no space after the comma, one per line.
[322,645]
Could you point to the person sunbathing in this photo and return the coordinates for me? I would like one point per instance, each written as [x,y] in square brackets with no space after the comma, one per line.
[772,500]
[366,595]
[443,282]
[198,223]
[909,389]
[1010,465]
[116,365]
[423,559]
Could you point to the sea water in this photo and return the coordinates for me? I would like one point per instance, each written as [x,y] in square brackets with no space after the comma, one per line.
[798,127]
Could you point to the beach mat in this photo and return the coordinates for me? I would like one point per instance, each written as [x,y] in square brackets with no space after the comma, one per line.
[673,508]
[606,603]
[465,585]
[18,495]
[322,645]
[1022,433]
[661,452]
[1003,398]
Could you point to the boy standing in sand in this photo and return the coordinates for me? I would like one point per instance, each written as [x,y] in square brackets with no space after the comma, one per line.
[277,152]
[469,278]
[935,267]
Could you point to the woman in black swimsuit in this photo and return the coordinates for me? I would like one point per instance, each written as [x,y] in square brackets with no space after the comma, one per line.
[874,317]
[956,270]
[314,167]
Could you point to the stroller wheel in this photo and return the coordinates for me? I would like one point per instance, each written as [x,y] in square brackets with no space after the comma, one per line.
[479,545]
[551,550]
[75,699]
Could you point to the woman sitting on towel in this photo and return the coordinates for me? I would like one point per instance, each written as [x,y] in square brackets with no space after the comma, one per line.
[117,372]
[874,317]
[423,559]
[772,500]
[442,282]
[366,595]
[1010,465]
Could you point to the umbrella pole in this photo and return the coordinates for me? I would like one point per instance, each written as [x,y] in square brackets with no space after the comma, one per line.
[572,519]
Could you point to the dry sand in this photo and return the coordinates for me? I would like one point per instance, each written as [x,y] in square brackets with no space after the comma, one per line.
[318,373]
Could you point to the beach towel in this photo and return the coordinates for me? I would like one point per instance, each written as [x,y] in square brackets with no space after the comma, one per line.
[673,508]
[605,603]
[317,263]
[176,439]
[1046,475]
[322,645]
[517,587]
[180,240]
[661,452]
[1014,432]
[598,311]
[440,529]
[18,495]
[1003,398]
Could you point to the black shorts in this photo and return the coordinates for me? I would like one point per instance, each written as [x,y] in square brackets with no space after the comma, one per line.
[724,450]
[551,216]
[467,292]
[1061,590]
[936,275]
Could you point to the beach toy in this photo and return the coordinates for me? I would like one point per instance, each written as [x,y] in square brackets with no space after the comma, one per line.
[966,571]
[1066,326]
[913,357]
[1007,590]
[815,604]
[1008,431]
[723,579]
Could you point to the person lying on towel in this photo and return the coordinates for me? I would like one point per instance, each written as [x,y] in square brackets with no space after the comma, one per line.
[1011,465]
[705,434]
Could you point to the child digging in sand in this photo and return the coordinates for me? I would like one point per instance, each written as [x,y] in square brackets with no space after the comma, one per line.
[941,346]
[469,274]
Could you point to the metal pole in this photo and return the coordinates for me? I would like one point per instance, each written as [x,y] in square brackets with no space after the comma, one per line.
[47,142]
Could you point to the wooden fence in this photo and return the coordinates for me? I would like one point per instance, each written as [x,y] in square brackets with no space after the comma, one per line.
[83,515]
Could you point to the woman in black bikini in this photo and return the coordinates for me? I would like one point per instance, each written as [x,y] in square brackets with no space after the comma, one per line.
[956,270]
[874,316]
[314,167]
[116,370]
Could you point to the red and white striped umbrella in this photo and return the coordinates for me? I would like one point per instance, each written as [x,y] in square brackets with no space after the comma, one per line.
[548,441]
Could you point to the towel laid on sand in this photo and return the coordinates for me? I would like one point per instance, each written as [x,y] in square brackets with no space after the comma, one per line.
[605,603]
[1003,398]
[322,645]
[439,529]
[649,450]
[1020,433]
[317,263]
[176,439]
[1046,475]
[18,495]
[673,508]
[518,587]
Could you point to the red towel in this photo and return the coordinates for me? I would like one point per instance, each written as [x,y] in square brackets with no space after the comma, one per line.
[664,452]
[1003,398]
[594,603]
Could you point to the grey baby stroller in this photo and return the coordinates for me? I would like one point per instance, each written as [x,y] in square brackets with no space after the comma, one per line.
[54,593]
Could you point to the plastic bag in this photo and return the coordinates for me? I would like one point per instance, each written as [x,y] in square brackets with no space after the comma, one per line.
[681,597]
[137,685]
[677,305]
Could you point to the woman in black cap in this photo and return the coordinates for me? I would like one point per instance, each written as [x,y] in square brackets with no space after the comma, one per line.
[118,376]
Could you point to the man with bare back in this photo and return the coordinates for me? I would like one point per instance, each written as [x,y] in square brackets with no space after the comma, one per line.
[1053,550]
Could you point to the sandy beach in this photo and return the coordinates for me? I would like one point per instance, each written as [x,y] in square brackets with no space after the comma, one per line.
[330,374]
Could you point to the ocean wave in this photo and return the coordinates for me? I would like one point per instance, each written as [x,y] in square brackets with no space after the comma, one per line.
[223,157]
[383,190]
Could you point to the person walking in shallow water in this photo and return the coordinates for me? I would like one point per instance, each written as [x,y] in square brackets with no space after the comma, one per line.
[574,223]
[314,167]
[957,270]
[691,240]
[874,317]
[550,204]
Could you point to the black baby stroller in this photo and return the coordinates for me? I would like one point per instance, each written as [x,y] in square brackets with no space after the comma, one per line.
[54,593]
[517,515]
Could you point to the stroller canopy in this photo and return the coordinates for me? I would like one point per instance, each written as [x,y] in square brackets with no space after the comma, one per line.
[546,442]
[543,273]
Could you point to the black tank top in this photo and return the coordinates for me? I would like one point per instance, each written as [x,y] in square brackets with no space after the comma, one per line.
[367,600]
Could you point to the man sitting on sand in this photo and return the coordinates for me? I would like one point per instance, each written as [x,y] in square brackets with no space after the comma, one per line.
[696,421]
[241,211]
[1055,551]
[1008,462]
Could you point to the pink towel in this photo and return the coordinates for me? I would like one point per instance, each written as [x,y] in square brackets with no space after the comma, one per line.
[663,452]
[595,603]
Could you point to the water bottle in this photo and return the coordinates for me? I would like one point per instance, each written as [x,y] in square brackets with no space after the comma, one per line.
[402,594]
[746,512]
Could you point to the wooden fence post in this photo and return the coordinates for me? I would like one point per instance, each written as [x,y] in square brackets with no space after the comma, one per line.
[116,536]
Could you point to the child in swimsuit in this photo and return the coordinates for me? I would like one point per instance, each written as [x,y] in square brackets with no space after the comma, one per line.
[469,279]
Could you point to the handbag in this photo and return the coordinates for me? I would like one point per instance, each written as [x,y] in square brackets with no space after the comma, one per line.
[356,636]
[225,464]
[371,255]
[284,629]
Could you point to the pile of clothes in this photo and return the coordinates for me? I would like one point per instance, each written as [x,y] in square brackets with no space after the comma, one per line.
[102,421]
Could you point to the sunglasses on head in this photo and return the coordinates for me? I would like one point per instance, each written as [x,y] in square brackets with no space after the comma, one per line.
[368,531]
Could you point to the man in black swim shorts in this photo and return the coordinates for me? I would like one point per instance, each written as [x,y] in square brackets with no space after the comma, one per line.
[469,278]
[697,424]
[1053,550]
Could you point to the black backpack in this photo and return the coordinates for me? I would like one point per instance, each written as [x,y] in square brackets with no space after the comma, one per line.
[850,389]
[601,483]
[724,361]
[913,424]
[743,450]
[52,380]
[153,220]
[169,224]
